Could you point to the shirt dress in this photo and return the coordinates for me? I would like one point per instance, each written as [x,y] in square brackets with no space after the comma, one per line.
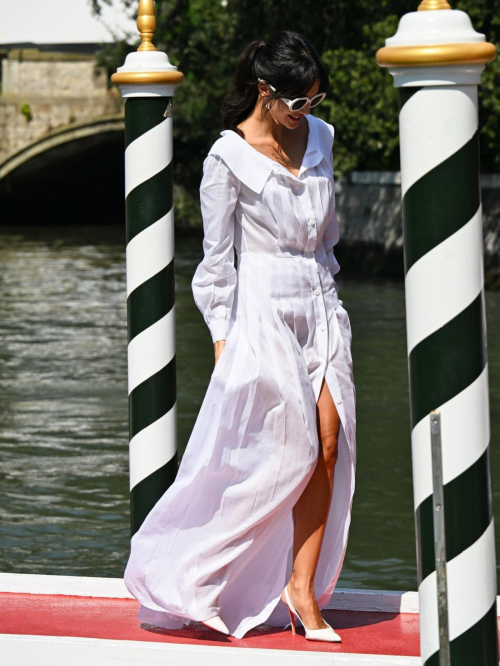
[219,541]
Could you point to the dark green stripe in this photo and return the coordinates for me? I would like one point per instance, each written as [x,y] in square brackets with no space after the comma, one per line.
[145,494]
[447,361]
[441,202]
[148,202]
[478,646]
[469,507]
[152,399]
[426,556]
[151,301]
[467,511]
[142,114]
[405,94]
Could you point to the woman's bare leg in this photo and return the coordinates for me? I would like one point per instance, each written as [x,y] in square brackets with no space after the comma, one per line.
[311,512]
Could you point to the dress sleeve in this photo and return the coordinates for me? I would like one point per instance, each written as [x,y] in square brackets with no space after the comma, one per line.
[214,280]
[331,235]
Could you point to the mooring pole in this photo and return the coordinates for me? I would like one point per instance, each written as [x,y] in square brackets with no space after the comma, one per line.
[147,82]
[436,59]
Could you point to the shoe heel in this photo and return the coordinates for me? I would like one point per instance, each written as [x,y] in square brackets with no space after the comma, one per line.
[326,634]
[292,621]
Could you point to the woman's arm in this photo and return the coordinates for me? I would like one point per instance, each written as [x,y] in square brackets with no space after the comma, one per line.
[331,235]
[330,239]
[214,280]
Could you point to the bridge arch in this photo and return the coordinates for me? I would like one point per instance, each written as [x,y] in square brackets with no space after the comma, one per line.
[72,174]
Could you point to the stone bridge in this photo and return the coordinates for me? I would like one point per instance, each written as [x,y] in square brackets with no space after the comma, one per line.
[61,139]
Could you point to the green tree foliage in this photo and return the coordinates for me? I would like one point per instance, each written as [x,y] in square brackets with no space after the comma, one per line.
[204,38]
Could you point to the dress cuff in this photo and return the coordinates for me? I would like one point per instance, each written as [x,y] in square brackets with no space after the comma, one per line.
[332,260]
[218,329]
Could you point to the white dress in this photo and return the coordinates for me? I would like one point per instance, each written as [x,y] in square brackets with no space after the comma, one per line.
[219,541]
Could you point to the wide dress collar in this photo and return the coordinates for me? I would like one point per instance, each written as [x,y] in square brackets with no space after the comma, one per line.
[253,168]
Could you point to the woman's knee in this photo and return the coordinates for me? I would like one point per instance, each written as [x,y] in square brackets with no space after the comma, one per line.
[329,447]
[328,426]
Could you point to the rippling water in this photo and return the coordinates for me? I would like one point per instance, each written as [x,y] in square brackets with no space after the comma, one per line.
[63,407]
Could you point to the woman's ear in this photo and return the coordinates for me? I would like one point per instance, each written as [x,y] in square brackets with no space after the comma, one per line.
[264,89]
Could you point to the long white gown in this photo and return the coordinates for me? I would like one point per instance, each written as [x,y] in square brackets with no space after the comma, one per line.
[219,541]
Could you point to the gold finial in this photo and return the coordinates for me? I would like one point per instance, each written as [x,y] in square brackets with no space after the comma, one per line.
[146,24]
[433,4]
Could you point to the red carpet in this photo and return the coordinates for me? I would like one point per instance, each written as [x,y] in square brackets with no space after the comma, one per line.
[115,619]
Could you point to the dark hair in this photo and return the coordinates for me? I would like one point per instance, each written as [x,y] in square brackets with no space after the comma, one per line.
[287,61]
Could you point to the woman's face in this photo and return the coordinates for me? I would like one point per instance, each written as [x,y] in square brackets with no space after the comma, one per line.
[281,111]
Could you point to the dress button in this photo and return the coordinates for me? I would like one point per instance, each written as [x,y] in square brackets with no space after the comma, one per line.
[317,291]
[322,327]
[311,222]
[339,400]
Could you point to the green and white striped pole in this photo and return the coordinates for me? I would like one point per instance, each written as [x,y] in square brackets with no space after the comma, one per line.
[147,82]
[436,59]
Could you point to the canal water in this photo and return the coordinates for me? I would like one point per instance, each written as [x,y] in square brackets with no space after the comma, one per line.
[63,407]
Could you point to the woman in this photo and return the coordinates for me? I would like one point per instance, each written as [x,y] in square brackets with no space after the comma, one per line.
[254,526]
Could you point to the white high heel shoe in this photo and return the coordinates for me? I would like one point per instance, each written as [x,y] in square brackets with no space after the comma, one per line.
[327,634]
[217,624]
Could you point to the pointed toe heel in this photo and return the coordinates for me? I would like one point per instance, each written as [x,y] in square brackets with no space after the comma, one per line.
[217,624]
[327,634]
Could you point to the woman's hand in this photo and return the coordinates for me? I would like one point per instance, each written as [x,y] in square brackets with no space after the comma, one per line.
[218,347]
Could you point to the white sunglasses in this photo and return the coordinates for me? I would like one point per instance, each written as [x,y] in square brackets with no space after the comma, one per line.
[299,102]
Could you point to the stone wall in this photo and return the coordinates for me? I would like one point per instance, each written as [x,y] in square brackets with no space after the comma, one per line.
[43,91]
[29,72]
[371,228]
